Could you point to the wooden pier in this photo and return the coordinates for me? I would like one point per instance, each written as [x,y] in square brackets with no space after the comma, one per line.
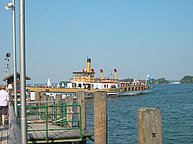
[54,135]
[51,121]
[11,134]
[4,132]
[47,123]
[4,135]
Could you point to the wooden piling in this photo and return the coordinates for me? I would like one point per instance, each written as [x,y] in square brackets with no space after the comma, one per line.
[58,99]
[81,101]
[45,97]
[69,101]
[100,117]
[149,126]
[37,96]
[50,103]
[57,108]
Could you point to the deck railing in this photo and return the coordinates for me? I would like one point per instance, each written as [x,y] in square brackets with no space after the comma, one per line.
[48,117]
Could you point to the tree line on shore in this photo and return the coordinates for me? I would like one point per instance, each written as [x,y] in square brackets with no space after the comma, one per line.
[185,80]
[150,81]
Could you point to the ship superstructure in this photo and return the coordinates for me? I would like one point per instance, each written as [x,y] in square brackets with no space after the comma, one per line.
[86,79]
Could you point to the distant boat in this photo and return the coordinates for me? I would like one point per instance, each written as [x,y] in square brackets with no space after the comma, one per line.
[175,83]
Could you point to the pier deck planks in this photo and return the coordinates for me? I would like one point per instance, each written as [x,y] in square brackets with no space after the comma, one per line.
[54,135]
[4,133]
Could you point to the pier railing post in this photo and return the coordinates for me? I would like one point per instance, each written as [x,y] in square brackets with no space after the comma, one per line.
[81,102]
[50,105]
[100,117]
[149,126]
[37,96]
[58,99]
[69,102]
[57,107]
[42,98]
[45,97]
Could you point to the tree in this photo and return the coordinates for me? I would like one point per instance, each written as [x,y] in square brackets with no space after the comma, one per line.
[162,81]
[187,79]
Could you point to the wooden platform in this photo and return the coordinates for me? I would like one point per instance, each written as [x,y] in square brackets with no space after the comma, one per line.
[56,135]
[68,90]
[4,135]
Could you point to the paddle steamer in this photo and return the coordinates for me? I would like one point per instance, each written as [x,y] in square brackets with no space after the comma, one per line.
[85,80]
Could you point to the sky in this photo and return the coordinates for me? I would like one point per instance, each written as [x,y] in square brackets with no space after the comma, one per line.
[137,37]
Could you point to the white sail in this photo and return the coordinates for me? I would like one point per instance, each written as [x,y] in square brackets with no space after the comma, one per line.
[62,84]
[147,78]
[49,83]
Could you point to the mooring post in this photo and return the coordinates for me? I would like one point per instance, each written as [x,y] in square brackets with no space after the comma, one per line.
[45,97]
[149,126]
[81,101]
[57,107]
[50,104]
[100,117]
[58,99]
[37,98]
[69,102]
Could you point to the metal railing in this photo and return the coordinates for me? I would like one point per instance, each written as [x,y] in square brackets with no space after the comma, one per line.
[47,117]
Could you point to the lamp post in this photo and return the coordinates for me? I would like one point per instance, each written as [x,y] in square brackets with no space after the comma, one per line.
[12,7]
[23,72]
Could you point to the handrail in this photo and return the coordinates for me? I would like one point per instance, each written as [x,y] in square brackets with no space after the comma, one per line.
[14,130]
[53,114]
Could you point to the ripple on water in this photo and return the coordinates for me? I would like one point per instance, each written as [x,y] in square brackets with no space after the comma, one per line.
[175,103]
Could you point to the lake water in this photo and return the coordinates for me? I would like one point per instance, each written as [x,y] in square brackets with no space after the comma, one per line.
[174,101]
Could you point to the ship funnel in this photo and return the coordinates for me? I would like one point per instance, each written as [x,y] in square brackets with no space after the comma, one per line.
[88,65]
[115,74]
[101,73]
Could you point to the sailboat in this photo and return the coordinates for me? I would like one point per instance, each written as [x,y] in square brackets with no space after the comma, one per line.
[147,78]
[49,83]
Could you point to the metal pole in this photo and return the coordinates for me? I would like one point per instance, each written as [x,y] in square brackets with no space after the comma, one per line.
[14,57]
[22,76]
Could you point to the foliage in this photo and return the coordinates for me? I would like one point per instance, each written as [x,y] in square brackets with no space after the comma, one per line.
[187,79]
[158,81]
[151,81]
[162,81]
[128,80]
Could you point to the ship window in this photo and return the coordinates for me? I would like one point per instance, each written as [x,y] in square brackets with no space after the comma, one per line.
[113,86]
[79,85]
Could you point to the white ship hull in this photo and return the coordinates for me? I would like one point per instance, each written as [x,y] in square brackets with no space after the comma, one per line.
[132,93]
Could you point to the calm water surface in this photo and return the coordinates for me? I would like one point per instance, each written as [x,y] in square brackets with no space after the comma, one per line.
[174,101]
